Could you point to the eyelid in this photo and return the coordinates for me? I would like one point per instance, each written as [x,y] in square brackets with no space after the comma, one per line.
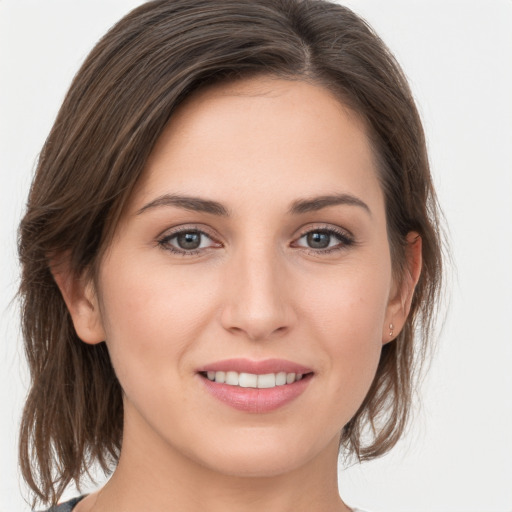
[345,237]
[180,228]
[163,239]
[325,227]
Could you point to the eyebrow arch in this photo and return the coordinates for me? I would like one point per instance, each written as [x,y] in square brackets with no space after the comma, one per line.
[318,203]
[298,207]
[195,204]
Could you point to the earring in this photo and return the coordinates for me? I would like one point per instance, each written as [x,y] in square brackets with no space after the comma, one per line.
[391,327]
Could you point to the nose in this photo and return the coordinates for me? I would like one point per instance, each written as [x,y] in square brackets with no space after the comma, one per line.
[257,303]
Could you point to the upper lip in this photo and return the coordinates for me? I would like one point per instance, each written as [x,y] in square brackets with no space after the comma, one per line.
[255,367]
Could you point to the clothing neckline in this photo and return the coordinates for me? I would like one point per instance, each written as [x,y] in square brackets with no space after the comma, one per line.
[68,506]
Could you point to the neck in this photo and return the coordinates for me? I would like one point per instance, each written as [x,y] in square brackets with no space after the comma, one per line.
[151,475]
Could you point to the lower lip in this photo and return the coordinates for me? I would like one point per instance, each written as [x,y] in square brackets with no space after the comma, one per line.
[257,400]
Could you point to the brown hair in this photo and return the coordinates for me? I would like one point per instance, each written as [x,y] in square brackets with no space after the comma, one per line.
[117,106]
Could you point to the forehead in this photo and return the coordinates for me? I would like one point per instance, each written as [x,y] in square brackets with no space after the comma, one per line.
[263,135]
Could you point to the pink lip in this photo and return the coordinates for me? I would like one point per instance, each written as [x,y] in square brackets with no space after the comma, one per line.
[256,367]
[256,400]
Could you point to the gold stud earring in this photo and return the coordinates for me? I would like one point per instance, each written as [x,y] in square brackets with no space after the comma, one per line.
[391,330]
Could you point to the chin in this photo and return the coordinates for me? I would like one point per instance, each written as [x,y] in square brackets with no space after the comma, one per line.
[260,455]
[249,465]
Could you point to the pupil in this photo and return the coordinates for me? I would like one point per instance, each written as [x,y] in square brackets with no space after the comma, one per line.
[318,240]
[189,240]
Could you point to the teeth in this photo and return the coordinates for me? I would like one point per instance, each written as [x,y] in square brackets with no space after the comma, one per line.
[267,381]
[290,377]
[248,380]
[281,378]
[251,380]
[232,378]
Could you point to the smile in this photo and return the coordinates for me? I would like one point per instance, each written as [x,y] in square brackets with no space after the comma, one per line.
[255,386]
[252,380]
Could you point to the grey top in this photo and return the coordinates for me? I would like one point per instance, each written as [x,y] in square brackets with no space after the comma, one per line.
[67,506]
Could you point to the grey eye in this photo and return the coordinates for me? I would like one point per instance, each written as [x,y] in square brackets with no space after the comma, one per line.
[318,239]
[188,240]
[324,240]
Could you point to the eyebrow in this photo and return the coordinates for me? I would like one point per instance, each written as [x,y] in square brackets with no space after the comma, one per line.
[298,207]
[195,204]
[318,203]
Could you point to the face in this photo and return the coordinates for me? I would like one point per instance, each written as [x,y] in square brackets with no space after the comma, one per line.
[253,250]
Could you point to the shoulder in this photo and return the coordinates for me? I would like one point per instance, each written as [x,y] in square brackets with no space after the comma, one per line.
[67,506]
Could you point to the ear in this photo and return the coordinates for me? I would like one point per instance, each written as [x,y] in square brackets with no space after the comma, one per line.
[401,296]
[80,297]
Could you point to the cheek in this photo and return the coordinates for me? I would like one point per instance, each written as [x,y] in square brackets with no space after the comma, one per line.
[350,306]
[151,317]
[347,315]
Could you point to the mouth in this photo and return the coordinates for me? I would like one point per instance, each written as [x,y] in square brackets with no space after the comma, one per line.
[253,380]
[255,386]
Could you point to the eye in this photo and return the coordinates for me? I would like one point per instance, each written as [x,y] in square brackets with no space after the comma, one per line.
[324,240]
[187,241]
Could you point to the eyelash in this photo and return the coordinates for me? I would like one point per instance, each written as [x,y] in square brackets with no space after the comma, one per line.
[345,240]
[164,241]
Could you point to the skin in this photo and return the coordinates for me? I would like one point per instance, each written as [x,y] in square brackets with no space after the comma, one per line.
[254,289]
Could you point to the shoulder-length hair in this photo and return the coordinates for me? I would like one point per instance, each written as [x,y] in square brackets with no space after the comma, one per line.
[117,106]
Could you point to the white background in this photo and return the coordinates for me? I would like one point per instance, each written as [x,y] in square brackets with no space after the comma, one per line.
[458,57]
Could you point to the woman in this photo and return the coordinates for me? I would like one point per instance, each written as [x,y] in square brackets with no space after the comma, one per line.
[232,226]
